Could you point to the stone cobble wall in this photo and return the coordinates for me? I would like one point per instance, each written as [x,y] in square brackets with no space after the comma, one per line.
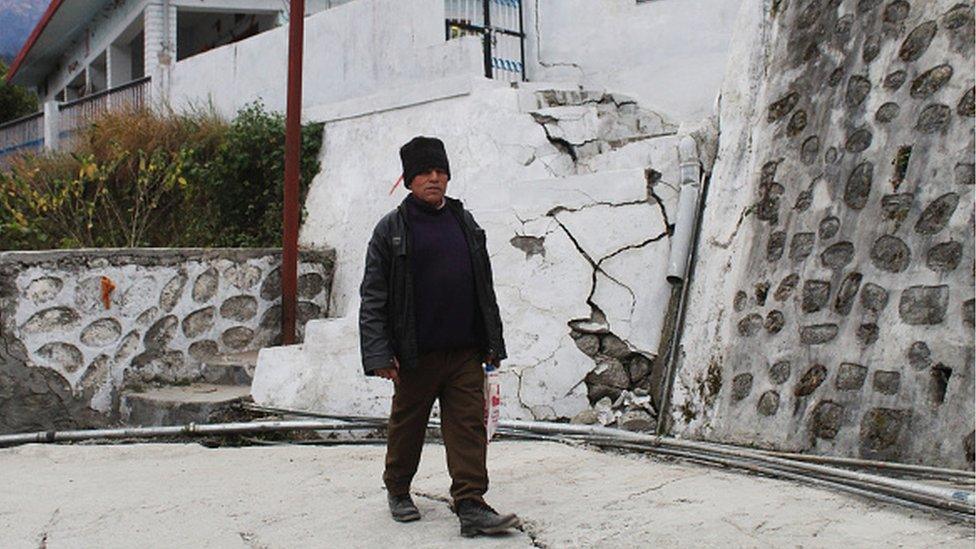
[846,326]
[81,326]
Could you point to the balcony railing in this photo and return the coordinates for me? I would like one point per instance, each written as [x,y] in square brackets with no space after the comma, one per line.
[499,24]
[79,112]
[22,134]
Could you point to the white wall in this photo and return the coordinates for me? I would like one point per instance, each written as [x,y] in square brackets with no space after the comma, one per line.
[351,50]
[670,54]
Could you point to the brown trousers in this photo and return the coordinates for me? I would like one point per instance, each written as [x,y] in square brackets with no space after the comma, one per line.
[456,379]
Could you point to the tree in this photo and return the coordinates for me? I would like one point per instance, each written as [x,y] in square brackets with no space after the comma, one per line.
[15,101]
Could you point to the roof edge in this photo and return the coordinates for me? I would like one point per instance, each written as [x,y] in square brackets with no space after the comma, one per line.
[52,8]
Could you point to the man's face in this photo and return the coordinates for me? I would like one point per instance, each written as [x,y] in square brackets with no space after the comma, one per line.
[430,186]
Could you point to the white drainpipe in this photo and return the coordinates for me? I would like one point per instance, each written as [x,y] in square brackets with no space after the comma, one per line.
[684,226]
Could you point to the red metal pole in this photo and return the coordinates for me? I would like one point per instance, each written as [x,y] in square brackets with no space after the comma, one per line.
[293,145]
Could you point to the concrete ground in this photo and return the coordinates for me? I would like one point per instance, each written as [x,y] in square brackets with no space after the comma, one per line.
[185,495]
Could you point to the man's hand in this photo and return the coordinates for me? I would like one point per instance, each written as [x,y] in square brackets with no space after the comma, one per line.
[393,374]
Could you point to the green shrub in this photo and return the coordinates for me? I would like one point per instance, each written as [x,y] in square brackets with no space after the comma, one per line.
[141,178]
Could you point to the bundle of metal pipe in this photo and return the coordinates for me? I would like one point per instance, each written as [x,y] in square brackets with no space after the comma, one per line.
[952,502]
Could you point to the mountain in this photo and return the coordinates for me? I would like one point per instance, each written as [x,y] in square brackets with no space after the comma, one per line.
[17,20]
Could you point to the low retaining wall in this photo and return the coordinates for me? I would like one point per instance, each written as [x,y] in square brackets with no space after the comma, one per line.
[78,326]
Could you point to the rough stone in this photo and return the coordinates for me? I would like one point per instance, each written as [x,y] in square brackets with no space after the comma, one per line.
[874,298]
[872,46]
[797,123]
[937,214]
[858,88]
[811,379]
[847,292]
[858,186]
[801,246]
[160,333]
[775,245]
[96,373]
[768,403]
[609,372]
[774,321]
[867,333]
[969,446]
[944,257]
[894,80]
[887,382]
[930,81]
[767,209]
[588,416]
[50,320]
[786,287]
[967,312]
[887,112]
[844,24]
[897,11]
[837,255]
[156,366]
[818,334]
[750,325]
[148,316]
[828,228]
[965,106]
[613,346]
[205,285]
[965,174]
[127,347]
[923,305]
[933,118]
[882,430]
[305,311]
[741,386]
[198,322]
[239,308]
[810,149]
[917,41]
[43,289]
[101,332]
[636,420]
[243,276]
[919,356]
[172,291]
[638,367]
[890,253]
[835,77]
[895,207]
[803,201]
[59,354]
[88,295]
[588,343]
[779,372]
[859,141]
[781,107]
[739,303]
[237,338]
[762,290]
[815,294]
[203,349]
[827,419]
[850,377]
[310,285]
[139,295]
[271,287]
[831,155]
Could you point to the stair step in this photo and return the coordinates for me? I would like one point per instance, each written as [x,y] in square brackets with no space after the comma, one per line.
[230,368]
[178,405]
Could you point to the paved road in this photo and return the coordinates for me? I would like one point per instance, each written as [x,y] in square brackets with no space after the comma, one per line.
[184,495]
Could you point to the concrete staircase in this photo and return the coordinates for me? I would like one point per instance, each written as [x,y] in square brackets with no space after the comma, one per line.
[223,383]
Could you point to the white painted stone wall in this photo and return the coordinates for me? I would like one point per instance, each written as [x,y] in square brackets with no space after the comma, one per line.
[351,50]
[167,312]
[567,236]
[668,54]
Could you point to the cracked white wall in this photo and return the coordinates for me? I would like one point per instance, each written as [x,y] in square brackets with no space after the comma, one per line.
[595,228]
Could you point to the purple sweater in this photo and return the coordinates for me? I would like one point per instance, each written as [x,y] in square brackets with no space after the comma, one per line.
[443,280]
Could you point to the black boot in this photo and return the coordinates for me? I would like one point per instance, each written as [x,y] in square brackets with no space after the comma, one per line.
[402,508]
[478,518]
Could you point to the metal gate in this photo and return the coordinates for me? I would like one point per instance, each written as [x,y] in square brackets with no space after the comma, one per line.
[499,24]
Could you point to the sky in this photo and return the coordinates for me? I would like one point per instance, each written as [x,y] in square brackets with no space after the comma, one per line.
[17,19]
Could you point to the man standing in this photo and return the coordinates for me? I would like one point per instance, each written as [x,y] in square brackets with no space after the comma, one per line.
[427,321]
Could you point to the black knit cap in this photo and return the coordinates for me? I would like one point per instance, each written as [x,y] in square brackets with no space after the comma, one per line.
[421,154]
